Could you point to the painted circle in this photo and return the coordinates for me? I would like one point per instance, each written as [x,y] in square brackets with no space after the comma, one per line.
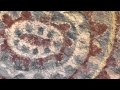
[21,28]
[79,36]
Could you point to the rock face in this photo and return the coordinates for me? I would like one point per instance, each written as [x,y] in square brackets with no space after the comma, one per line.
[59,45]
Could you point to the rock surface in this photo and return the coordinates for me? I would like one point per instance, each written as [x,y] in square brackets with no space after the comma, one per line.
[59,45]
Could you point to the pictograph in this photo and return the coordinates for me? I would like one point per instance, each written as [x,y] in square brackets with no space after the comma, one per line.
[59,44]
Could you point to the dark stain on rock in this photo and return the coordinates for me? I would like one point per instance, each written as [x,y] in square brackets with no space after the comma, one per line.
[29,29]
[40,61]
[72,35]
[46,42]
[67,42]
[45,19]
[35,40]
[18,32]
[26,15]
[62,27]
[118,18]
[7,20]
[41,30]
[68,51]
[88,14]
[5,46]
[25,49]
[57,16]
[94,50]
[35,51]
[111,61]
[59,56]
[2,33]
[47,50]
[103,75]
[98,29]
[16,42]
[5,56]
[21,63]
[50,34]
[57,44]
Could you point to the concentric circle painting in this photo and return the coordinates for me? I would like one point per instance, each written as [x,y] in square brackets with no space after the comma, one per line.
[59,45]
